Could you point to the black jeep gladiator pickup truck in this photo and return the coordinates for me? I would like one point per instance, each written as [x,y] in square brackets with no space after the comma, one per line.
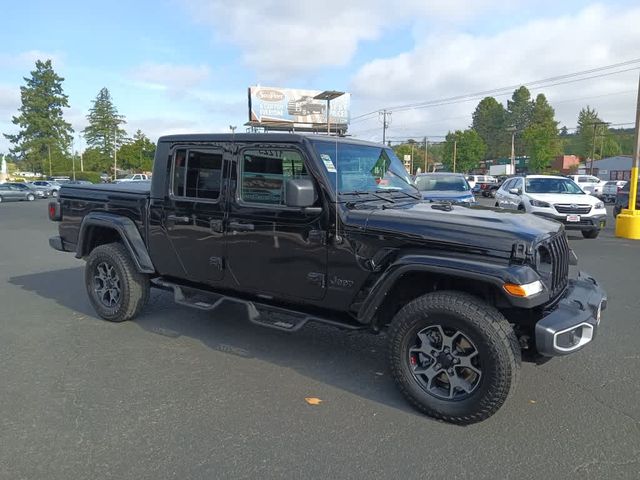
[326,229]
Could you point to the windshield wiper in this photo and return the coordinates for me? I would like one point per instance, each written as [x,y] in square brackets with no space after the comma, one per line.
[366,192]
[391,190]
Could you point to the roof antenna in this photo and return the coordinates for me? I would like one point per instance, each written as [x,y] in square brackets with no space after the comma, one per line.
[338,238]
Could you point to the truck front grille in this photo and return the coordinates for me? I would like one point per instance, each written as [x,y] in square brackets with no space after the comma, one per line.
[558,248]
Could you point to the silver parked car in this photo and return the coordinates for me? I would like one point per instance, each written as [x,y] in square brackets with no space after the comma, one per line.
[11,192]
[39,192]
[50,185]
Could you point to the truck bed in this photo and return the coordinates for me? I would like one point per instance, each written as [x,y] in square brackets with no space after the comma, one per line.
[126,199]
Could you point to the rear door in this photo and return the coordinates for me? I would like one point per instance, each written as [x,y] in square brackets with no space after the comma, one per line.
[192,216]
[273,249]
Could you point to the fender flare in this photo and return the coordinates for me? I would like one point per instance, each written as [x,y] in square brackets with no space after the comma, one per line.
[477,271]
[127,231]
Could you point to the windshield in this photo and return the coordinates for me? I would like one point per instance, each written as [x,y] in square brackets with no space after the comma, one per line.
[552,185]
[429,183]
[363,168]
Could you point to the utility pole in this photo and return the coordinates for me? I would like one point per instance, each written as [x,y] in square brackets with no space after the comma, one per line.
[385,124]
[411,172]
[115,154]
[455,147]
[593,149]
[73,158]
[426,153]
[49,149]
[81,153]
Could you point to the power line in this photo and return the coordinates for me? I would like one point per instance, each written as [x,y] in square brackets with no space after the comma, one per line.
[550,81]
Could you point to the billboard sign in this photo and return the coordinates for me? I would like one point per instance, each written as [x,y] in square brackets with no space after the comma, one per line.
[268,105]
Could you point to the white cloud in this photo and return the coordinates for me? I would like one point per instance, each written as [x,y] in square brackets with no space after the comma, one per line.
[443,65]
[28,59]
[175,79]
[283,39]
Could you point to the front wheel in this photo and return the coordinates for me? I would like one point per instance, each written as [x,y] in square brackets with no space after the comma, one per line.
[453,356]
[590,233]
[31,197]
[116,289]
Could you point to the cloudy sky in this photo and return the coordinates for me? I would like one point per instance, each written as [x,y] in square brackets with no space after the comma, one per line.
[176,66]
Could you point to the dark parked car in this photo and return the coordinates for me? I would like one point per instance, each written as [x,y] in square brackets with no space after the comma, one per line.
[10,193]
[622,200]
[332,230]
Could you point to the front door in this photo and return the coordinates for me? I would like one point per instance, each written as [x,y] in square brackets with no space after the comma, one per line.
[193,213]
[273,249]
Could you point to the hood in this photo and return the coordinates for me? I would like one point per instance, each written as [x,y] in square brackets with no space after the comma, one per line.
[553,198]
[477,227]
[451,195]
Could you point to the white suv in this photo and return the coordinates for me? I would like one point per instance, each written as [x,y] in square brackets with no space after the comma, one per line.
[558,198]
[590,184]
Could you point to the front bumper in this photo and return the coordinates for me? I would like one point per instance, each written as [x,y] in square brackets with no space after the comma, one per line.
[593,222]
[574,319]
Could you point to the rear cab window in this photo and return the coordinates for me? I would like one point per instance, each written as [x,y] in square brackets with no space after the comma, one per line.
[197,174]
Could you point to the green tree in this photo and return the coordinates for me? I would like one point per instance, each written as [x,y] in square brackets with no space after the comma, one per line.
[519,115]
[44,136]
[138,154]
[594,137]
[541,140]
[489,120]
[104,129]
[469,150]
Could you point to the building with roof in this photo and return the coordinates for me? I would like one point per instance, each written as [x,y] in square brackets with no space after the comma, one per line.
[611,168]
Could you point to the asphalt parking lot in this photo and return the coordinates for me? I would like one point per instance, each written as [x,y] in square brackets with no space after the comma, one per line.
[181,393]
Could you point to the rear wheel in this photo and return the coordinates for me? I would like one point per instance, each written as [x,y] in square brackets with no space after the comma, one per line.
[54,193]
[116,289]
[453,356]
[590,233]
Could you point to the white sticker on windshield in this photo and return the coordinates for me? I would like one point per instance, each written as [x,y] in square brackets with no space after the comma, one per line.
[326,159]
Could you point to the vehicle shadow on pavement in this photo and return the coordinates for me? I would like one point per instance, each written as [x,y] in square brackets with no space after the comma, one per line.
[355,362]
[65,286]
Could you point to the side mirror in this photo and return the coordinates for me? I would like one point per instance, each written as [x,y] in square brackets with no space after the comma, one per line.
[300,193]
[515,191]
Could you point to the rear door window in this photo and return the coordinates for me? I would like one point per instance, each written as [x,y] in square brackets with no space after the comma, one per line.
[197,173]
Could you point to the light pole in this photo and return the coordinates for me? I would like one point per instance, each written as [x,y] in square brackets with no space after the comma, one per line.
[513,149]
[328,95]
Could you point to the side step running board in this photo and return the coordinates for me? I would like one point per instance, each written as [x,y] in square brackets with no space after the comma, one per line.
[259,313]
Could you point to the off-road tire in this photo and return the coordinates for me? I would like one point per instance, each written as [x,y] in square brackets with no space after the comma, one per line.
[497,347]
[134,285]
[590,233]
